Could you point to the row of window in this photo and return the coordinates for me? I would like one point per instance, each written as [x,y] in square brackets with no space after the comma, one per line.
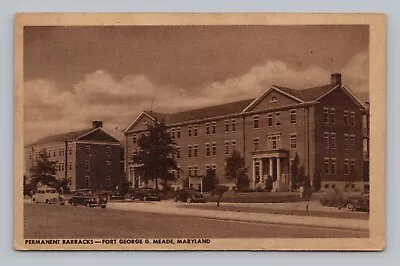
[330,166]
[271,121]
[88,181]
[61,152]
[194,171]
[349,117]
[274,142]
[108,151]
[87,165]
[349,142]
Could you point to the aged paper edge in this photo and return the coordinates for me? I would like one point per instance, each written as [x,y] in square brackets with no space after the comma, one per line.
[377,72]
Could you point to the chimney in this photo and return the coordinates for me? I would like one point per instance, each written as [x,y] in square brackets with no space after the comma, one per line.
[97,123]
[336,79]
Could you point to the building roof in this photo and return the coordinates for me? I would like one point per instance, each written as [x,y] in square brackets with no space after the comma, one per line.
[61,137]
[309,94]
[210,111]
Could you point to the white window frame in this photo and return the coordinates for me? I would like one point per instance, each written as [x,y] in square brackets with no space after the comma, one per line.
[208,151]
[277,119]
[256,125]
[326,140]
[233,127]
[293,116]
[333,163]
[214,149]
[326,115]
[226,148]
[214,127]
[293,146]
[256,144]
[333,141]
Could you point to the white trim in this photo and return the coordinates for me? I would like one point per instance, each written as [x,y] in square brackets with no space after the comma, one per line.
[272,87]
[354,96]
[94,129]
[143,113]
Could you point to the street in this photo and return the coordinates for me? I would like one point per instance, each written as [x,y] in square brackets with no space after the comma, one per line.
[56,221]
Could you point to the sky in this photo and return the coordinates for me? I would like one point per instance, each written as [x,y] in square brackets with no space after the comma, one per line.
[73,75]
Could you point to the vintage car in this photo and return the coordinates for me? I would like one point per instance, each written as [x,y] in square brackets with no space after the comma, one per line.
[360,202]
[189,195]
[47,195]
[88,198]
[112,195]
[145,194]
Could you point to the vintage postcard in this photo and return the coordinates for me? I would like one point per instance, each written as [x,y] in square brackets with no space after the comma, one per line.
[191,131]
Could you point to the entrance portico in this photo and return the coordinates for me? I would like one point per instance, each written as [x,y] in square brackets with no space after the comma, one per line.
[273,163]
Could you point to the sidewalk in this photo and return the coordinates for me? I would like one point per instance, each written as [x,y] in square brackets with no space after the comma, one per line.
[171,207]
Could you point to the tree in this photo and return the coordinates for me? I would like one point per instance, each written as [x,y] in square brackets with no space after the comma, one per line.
[44,171]
[236,170]
[62,186]
[302,175]
[294,170]
[219,191]
[209,180]
[156,155]
[317,181]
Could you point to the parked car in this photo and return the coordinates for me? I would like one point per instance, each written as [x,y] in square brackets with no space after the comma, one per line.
[333,198]
[145,194]
[47,195]
[360,202]
[189,195]
[89,198]
[112,195]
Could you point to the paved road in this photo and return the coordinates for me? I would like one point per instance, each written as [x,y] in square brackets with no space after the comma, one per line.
[55,221]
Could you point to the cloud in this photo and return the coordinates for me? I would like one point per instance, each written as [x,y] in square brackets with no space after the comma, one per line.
[49,110]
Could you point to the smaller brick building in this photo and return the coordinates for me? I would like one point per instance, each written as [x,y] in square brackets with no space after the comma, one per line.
[88,158]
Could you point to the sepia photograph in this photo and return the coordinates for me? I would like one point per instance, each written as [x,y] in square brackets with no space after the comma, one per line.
[199,132]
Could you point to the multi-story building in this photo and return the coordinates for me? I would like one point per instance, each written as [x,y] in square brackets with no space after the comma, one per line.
[88,158]
[322,125]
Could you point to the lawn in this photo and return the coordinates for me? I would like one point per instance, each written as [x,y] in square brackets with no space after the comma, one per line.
[257,197]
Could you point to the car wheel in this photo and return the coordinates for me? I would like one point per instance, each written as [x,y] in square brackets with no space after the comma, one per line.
[350,206]
[189,200]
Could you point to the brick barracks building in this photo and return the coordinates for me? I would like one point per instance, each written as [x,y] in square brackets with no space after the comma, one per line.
[323,125]
[88,158]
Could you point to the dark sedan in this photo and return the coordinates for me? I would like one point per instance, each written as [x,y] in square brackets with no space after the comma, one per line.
[87,197]
[145,194]
[360,202]
[189,195]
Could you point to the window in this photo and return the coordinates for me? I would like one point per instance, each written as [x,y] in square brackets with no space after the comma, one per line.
[352,119]
[214,149]
[326,140]
[256,121]
[332,116]
[108,151]
[214,127]
[226,126]
[134,138]
[87,149]
[274,142]
[326,186]
[270,120]
[87,181]
[352,142]
[54,153]
[87,166]
[70,151]
[333,186]
[189,171]
[62,166]
[333,166]
[178,172]
[189,131]
[233,122]
[257,170]
[195,170]
[178,132]
[207,168]
[189,151]
[195,130]
[214,167]
[172,133]
[274,99]
[278,118]
[326,114]
[195,151]
[178,152]
[70,165]
[134,152]
[353,185]
[59,151]
[346,118]
[346,142]
[352,167]
[69,181]
[207,149]
[62,150]
[233,145]
[256,144]
[293,141]
[208,128]
[30,156]
[326,166]
[346,166]
[108,165]
[226,147]
[293,116]
[108,181]
[333,141]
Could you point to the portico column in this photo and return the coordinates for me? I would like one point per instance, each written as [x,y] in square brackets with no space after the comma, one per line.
[270,167]
[254,171]
[261,169]
[278,169]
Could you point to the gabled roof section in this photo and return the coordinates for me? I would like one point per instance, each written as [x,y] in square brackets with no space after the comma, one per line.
[315,93]
[352,95]
[150,114]
[98,134]
[208,112]
[61,137]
